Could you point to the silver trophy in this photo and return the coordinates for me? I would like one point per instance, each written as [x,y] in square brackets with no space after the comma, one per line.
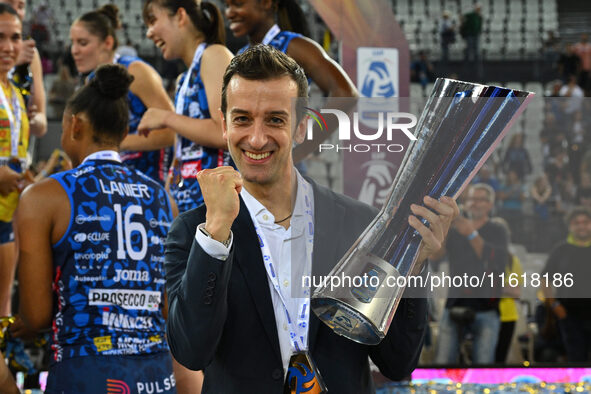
[459,128]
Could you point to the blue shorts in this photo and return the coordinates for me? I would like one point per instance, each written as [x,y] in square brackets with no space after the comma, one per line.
[137,374]
[6,232]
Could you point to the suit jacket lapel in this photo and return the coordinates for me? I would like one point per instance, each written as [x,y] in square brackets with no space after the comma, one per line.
[250,263]
[328,219]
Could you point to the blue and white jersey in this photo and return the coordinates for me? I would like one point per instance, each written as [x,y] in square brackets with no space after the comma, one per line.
[153,163]
[280,41]
[109,265]
[195,157]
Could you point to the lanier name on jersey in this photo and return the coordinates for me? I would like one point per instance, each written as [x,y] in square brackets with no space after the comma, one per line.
[125,189]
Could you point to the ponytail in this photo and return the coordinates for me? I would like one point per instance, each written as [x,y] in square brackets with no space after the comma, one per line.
[291,17]
[214,31]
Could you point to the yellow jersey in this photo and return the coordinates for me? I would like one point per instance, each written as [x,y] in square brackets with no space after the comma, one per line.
[507,306]
[8,203]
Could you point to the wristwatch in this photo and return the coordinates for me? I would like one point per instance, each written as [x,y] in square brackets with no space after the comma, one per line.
[226,243]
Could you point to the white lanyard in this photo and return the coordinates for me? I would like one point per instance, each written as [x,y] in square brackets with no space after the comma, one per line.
[13,117]
[298,329]
[103,155]
[273,31]
[182,93]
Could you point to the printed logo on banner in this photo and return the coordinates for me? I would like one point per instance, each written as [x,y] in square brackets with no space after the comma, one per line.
[377,77]
[377,72]
[379,176]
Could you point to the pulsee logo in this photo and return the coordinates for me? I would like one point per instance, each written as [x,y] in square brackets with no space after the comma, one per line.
[387,122]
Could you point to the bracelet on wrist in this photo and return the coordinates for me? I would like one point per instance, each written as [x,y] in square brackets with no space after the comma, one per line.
[226,243]
[472,235]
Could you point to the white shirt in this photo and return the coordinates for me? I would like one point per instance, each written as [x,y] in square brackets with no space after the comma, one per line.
[287,247]
[574,102]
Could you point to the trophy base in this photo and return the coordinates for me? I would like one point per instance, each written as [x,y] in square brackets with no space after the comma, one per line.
[346,321]
[361,313]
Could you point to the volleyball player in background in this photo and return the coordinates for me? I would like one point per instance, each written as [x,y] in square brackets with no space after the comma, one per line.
[282,24]
[14,142]
[192,31]
[28,75]
[94,41]
[91,252]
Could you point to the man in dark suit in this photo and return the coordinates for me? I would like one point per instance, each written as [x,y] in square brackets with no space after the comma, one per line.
[227,309]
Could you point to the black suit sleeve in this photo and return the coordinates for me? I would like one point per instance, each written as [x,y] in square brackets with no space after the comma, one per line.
[197,286]
[398,353]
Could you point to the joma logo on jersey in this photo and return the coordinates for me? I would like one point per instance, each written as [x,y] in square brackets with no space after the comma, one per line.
[83,171]
[131,275]
[117,320]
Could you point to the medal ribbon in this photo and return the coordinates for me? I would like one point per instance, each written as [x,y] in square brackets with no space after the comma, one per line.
[273,31]
[182,93]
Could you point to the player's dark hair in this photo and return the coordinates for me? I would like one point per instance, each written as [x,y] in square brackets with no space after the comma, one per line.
[206,17]
[103,22]
[104,101]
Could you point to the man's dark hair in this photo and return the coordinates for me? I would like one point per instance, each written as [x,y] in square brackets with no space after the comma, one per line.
[7,9]
[263,62]
[577,211]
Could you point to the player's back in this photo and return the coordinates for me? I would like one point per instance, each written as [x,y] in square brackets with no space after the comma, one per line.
[108,266]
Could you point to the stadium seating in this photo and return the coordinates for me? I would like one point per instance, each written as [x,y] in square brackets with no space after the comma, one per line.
[512,30]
